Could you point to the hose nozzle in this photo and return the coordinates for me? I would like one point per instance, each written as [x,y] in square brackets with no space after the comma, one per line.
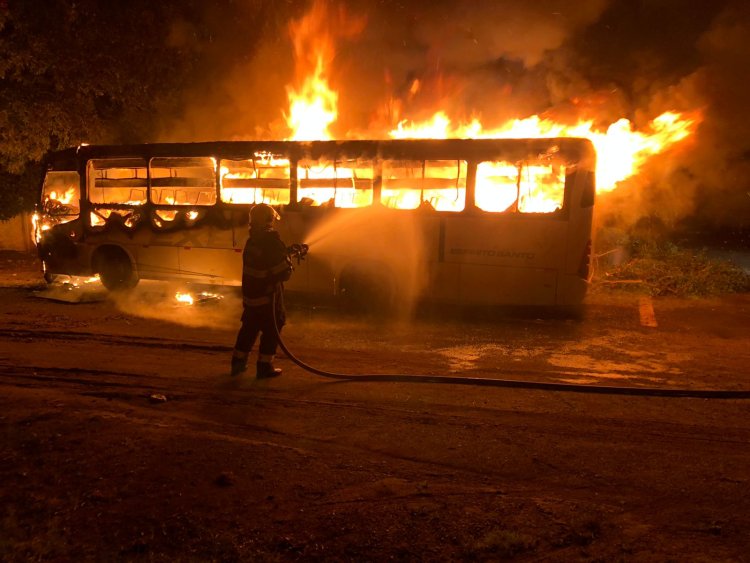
[298,251]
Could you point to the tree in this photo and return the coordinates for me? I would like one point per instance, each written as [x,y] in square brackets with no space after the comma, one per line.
[78,71]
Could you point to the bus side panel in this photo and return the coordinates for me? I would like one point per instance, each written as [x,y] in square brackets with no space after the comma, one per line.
[506,260]
[206,254]
[444,283]
[219,266]
[158,262]
[157,256]
[499,285]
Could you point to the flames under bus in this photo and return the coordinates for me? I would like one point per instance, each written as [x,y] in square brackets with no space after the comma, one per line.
[462,222]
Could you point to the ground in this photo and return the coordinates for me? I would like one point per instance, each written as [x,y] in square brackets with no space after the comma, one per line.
[124,437]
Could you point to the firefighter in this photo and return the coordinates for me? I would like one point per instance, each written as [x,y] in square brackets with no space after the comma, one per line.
[265,266]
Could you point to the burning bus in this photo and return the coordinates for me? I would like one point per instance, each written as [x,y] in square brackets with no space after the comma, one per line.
[458,221]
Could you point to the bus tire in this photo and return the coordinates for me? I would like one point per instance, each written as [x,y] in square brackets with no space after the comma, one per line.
[49,277]
[366,289]
[115,269]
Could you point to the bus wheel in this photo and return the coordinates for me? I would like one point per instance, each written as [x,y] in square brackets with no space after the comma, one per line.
[115,269]
[49,277]
[366,289]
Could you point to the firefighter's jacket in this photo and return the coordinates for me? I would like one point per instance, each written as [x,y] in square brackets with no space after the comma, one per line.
[265,266]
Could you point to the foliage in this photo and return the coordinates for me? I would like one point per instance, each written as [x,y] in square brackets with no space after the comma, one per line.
[19,191]
[97,71]
[666,269]
[76,71]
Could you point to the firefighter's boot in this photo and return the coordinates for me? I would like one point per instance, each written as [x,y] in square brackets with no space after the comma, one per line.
[239,362]
[266,370]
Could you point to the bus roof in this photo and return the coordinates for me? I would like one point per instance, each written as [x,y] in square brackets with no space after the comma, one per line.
[568,148]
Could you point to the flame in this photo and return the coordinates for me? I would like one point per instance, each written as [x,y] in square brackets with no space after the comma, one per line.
[184,298]
[75,282]
[525,187]
[346,183]
[313,108]
[621,150]
[313,105]
[63,198]
[263,178]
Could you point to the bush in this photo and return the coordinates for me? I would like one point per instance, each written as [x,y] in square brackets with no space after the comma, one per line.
[666,269]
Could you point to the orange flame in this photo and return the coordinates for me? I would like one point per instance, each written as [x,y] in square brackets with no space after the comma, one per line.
[621,151]
[313,105]
[184,298]
[313,108]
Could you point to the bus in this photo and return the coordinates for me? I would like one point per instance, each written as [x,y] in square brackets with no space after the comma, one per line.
[475,222]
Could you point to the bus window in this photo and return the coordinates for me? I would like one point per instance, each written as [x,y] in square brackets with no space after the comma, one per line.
[496,186]
[430,184]
[525,188]
[541,188]
[445,184]
[61,194]
[402,184]
[261,179]
[183,181]
[117,181]
[341,183]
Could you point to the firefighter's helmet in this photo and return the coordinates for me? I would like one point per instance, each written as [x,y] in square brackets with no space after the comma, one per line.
[262,214]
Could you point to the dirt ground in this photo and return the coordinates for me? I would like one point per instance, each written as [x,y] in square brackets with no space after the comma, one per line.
[124,437]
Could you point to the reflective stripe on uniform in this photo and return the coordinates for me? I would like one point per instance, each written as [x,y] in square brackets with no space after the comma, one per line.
[255,301]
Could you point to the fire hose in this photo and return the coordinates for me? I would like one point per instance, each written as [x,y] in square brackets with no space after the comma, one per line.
[298,251]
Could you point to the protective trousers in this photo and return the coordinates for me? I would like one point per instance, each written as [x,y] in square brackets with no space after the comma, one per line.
[259,320]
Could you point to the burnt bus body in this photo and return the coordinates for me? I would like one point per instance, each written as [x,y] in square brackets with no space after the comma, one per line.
[450,221]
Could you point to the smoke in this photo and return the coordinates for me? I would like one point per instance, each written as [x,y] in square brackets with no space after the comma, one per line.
[468,59]
[156,300]
[703,182]
[499,59]
[720,163]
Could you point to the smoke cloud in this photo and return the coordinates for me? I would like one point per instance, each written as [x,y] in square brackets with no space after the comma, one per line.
[501,59]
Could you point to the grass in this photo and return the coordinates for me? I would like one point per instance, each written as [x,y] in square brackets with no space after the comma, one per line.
[503,543]
[661,269]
